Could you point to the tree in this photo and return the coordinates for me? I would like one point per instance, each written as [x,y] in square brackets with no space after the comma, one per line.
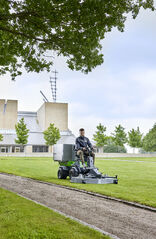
[99,137]
[149,141]
[119,136]
[22,132]
[109,140]
[31,31]
[1,137]
[51,135]
[135,138]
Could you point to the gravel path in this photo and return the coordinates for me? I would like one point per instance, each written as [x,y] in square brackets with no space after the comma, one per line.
[124,221]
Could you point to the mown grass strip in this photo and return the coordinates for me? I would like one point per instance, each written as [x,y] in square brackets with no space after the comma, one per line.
[23,219]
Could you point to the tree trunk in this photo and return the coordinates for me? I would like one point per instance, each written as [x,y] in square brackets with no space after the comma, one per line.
[50,149]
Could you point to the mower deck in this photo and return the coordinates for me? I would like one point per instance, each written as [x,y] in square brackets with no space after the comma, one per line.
[93,180]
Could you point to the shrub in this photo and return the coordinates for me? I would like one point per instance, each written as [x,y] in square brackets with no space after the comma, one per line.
[114,149]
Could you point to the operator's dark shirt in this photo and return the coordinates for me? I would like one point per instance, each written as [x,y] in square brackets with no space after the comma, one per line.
[82,142]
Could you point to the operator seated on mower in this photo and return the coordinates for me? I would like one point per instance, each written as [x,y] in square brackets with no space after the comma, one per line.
[81,145]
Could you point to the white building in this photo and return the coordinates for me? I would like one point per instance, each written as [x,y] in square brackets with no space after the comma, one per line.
[36,122]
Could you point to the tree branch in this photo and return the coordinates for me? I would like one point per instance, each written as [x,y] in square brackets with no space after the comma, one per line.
[19,15]
[24,35]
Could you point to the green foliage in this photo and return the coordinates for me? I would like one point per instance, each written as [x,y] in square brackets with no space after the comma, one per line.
[135,138]
[1,137]
[51,135]
[149,141]
[99,137]
[111,148]
[31,31]
[22,132]
[119,136]
[109,140]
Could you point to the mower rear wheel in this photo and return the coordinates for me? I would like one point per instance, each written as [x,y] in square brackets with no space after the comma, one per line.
[62,174]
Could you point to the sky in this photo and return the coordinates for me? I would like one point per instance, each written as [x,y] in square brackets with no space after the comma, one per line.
[120,91]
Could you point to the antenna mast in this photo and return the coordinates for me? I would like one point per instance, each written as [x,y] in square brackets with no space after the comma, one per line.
[53,85]
[44,97]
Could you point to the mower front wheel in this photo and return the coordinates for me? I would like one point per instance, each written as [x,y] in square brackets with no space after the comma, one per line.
[62,174]
[73,173]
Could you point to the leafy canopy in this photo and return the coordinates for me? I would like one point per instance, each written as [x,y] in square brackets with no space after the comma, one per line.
[119,136]
[149,141]
[21,132]
[135,138]
[1,137]
[51,135]
[100,137]
[31,31]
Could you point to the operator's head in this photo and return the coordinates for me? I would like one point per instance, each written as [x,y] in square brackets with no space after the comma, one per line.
[82,132]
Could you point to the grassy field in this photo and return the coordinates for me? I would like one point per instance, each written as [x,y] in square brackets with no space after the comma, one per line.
[150,159]
[137,180]
[23,219]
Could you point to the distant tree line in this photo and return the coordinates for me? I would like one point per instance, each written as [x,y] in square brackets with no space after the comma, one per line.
[116,141]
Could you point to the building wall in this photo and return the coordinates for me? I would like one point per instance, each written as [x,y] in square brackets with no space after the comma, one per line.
[56,113]
[8,119]
[28,149]
[41,116]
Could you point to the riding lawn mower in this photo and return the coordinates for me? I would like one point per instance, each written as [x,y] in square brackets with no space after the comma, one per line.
[70,165]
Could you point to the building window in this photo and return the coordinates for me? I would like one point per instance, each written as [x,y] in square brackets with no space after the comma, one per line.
[4,149]
[18,149]
[40,149]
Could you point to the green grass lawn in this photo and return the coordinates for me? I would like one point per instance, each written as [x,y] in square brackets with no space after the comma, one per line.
[150,159]
[137,180]
[23,219]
